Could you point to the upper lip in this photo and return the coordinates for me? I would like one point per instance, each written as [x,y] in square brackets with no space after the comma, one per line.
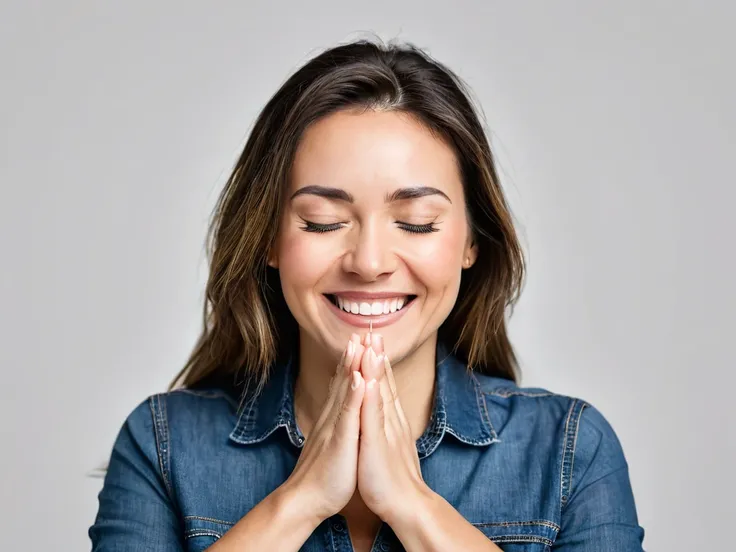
[368,296]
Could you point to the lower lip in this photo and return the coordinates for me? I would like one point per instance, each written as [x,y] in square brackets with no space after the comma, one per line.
[361,321]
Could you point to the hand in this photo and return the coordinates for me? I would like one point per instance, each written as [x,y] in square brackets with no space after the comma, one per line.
[389,474]
[326,471]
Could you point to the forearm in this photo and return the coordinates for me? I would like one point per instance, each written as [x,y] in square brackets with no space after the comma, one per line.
[434,525]
[279,523]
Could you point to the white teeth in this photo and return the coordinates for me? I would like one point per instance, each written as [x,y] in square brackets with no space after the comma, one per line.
[371,309]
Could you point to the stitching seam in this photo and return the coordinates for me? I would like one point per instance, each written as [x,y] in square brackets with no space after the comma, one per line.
[569,442]
[506,393]
[481,399]
[575,444]
[213,520]
[542,522]
[564,458]
[158,412]
[202,533]
[514,538]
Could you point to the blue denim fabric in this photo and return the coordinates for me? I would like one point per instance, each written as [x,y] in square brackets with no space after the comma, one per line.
[531,469]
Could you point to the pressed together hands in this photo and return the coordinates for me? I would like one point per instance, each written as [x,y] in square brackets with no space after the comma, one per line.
[361,440]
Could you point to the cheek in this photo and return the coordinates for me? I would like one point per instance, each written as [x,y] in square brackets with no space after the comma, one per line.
[302,259]
[437,260]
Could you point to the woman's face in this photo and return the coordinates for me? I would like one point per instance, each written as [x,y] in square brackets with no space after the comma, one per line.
[374,228]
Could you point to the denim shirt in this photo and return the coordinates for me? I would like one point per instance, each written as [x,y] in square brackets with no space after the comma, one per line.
[532,470]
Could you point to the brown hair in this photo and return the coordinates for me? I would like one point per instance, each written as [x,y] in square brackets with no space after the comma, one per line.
[247,324]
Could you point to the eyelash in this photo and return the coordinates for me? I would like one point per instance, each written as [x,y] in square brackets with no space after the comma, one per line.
[405,226]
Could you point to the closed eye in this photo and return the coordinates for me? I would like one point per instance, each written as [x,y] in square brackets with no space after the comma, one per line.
[321,228]
[418,228]
[318,228]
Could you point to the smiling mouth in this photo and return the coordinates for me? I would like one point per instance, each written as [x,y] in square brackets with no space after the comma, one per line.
[371,308]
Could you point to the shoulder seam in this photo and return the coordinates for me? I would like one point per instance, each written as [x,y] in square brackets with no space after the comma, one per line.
[206,394]
[569,443]
[508,392]
[157,404]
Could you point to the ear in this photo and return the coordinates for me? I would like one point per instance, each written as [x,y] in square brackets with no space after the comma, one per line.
[272,260]
[470,254]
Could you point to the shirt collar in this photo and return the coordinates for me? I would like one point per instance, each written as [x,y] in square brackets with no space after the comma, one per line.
[459,408]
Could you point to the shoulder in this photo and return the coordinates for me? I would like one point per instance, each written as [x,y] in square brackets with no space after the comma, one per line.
[583,433]
[181,413]
[532,404]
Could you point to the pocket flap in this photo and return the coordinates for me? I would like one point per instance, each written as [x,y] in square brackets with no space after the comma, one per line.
[196,526]
[537,531]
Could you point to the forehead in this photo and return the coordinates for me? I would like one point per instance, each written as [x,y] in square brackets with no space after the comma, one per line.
[373,149]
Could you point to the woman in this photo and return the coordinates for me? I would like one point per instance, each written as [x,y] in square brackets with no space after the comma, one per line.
[354,386]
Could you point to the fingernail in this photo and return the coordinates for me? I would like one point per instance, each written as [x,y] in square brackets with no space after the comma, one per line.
[368,339]
[356,380]
[371,384]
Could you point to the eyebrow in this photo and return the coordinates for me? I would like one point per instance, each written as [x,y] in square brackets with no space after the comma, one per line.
[397,195]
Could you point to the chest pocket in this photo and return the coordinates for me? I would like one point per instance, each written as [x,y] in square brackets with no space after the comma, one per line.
[521,536]
[201,532]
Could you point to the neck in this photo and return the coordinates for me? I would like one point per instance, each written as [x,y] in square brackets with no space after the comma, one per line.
[414,375]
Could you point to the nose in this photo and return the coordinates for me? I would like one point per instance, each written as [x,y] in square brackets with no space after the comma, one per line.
[369,255]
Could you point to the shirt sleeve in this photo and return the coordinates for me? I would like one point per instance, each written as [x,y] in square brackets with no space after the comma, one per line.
[136,512]
[599,513]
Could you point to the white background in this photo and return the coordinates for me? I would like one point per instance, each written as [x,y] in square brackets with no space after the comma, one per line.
[614,125]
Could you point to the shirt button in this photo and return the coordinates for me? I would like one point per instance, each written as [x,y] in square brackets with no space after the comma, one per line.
[385,547]
[338,527]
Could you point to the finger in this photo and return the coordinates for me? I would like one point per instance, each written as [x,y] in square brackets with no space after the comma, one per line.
[393,425]
[389,396]
[371,413]
[352,346]
[390,376]
[395,399]
[404,423]
[373,368]
[358,356]
[351,364]
[347,423]
[342,368]
[377,343]
[369,366]
[338,387]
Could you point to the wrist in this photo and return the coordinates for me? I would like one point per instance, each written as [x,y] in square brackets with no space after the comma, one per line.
[290,503]
[414,512]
